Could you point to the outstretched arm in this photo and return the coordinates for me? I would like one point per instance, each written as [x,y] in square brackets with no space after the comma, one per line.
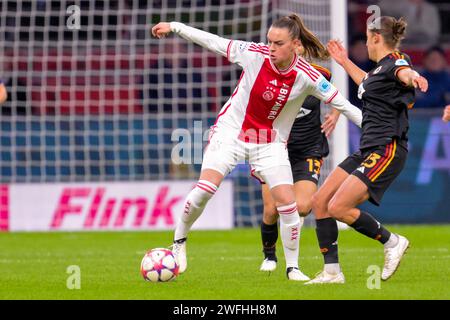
[323,90]
[411,78]
[340,55]
[205,39]
[353,113]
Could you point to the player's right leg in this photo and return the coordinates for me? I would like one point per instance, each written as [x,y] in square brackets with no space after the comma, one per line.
[326,228]
[194,205]
[219,159]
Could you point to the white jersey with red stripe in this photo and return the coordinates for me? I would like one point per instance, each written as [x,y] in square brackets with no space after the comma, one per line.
[263,106]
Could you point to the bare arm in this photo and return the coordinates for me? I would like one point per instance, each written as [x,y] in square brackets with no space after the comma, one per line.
[411,78]
[340,55]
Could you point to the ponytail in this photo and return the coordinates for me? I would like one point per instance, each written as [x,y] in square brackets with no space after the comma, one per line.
[313,48]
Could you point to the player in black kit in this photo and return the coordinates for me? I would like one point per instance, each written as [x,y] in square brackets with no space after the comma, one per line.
[307,147]
[387,92]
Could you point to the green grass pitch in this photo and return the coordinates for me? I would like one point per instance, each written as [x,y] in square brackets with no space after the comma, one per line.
[221,265]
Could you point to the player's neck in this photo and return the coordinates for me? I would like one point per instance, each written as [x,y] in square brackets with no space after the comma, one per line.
[383,53]
[285,65]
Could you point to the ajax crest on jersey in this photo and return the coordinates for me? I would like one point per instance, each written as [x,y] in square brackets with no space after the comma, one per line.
[268,95]
[159,265]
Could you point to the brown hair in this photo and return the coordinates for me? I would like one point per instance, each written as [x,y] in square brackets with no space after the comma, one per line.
[297,30]
[392,30]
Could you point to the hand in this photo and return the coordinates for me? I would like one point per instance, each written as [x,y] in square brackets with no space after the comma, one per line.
[330,122]
[446,115]
[161,30]
[420,82]
[337,51]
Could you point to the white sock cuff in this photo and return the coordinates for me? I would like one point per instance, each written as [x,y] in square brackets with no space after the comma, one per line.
[288,209]
[207,186]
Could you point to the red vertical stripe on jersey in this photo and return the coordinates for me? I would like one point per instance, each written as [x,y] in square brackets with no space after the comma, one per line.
[266,102]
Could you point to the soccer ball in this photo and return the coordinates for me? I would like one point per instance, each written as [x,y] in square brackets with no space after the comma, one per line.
[159,265]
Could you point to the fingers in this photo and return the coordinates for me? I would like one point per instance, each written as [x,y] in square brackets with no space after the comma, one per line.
[160,30]
[421,83]
[328,130]
[424,84]
[335,45]
[332,46]
[328,126]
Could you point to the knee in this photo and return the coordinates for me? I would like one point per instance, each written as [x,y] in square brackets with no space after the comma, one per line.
[336,209]
[304,208]
[270,216]
[284,200]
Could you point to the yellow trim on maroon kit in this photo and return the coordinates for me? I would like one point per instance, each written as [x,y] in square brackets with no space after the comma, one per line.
[387,164]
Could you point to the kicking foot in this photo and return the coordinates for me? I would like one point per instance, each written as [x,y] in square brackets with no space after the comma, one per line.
[179,250]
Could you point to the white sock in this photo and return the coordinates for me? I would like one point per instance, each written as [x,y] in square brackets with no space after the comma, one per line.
[392,242]
[290,225]
[194,205]
[332,268]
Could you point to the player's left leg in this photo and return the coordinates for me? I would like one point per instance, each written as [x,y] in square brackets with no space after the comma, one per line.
[269,230]
[271,163]
[304,189]
[343,208]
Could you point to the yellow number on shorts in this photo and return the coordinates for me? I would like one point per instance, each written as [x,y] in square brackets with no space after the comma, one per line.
[314,165]
[371,160]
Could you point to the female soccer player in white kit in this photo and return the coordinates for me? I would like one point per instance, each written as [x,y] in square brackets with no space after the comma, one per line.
[255,122]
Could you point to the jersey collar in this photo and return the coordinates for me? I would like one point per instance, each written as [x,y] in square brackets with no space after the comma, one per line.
[288,69]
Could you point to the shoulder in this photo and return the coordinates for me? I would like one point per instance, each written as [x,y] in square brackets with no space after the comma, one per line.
[307,70]
[251,46]
[399,59]
[324,71]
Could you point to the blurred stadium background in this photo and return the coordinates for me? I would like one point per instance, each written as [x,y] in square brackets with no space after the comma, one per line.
[96,107]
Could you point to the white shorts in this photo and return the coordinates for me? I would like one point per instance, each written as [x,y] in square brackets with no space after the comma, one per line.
[223,154]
